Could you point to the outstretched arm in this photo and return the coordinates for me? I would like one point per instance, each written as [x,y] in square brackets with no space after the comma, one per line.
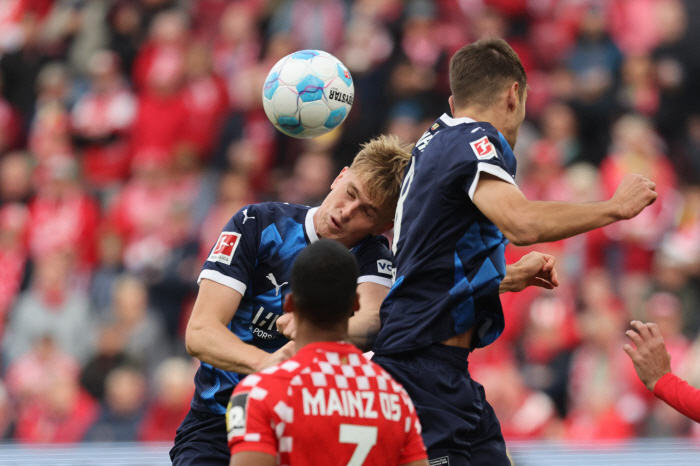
[653,365]
[526,222]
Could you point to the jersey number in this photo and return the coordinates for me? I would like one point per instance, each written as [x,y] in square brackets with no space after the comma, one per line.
[399,207]
[365,437]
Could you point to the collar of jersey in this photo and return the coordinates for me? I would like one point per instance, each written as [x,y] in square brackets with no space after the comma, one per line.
[324,346]
[449,121]
[309,225]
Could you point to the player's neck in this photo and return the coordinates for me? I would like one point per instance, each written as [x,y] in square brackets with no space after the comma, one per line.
[489,115]
[307,333]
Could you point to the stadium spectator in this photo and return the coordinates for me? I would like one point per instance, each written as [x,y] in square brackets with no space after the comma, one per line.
[53,306]
[174,389]
[122,410]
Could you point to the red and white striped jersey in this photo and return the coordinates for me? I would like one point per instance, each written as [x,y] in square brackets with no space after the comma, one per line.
[327,405]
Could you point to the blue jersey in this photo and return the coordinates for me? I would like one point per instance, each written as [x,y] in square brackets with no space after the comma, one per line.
[254,256]
[448,257]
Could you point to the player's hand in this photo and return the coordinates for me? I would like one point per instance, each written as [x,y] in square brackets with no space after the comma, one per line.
[650,359]
[533,269]
[287,326]
[632,195]
[279,356]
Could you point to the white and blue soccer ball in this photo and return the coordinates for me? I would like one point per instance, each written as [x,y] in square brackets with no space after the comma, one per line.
[308,93]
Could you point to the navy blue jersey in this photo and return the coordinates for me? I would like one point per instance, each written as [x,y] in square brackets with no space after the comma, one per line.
[448,257]
[254,256]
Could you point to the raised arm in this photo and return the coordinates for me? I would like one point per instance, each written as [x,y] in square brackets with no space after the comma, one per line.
[208,338]
[526,222]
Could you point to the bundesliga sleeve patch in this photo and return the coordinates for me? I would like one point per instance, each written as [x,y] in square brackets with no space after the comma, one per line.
[384,266]
[225,247]
[483,148]
[236,415]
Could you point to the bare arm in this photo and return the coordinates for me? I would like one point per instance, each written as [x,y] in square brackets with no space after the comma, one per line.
[526,222]
[363,327]
[208,338]
[252,458]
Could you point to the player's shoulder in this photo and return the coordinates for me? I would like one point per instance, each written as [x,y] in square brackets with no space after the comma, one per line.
[372,243]
[275,210]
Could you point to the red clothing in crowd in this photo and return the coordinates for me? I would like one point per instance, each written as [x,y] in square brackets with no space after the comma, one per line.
[67,223]
[160,123]
[37,424]
[206,101]
[679,395]
[161,422]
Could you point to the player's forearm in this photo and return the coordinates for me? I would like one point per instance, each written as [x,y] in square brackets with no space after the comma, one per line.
[679,395]
[542,222]
[363,329]
[211,342]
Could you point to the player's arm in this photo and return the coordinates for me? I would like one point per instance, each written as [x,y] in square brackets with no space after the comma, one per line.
[533,269]
[526,222]
[253,458]
[208,338]
[363,327]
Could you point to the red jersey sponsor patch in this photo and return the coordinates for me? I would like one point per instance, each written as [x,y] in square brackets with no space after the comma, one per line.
[483,148]
[225,247]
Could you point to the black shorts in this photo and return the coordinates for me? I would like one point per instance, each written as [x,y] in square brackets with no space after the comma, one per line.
[459,426]
[201,440]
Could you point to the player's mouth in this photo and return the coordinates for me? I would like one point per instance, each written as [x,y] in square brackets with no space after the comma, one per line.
[335,223]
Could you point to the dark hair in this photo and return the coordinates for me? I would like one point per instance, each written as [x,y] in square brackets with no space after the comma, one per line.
[479,72]
[324,283]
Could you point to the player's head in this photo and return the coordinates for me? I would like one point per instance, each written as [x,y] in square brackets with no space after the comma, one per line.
[363,196]
[323,285]
[488,74]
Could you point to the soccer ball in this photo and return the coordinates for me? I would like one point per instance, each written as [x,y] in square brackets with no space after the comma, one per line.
[308,93]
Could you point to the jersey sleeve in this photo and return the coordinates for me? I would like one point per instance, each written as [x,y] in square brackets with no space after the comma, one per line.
[249,420]
[490,154]
[413,448]
[375,261]
[232,259]
[679,395]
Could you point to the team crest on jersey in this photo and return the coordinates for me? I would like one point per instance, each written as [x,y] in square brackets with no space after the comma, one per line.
[236,415]
[483,148]
[225,247]
[384,266]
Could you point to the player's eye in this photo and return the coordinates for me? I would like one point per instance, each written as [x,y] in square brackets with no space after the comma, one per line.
[351,194]
[367,212]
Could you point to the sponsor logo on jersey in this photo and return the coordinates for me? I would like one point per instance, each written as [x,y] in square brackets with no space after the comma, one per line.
[435,126]
[338,96]
[384,266]
[236,415]
[274,283]
[483,148]
[263,324]
[442,461]
[477,129]
[225,247]
[245,216]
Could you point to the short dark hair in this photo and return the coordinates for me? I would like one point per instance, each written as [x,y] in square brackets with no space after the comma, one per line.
[324,283]
[479,72]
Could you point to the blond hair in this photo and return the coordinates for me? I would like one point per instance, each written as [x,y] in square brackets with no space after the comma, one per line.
[380,165]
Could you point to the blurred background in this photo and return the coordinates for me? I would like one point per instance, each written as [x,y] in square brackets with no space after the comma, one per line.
[131,130]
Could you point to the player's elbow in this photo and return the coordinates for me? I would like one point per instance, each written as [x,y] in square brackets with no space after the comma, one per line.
[522,233]
[193,337]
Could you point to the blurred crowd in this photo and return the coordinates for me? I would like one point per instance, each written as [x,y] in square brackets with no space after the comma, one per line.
[131,130]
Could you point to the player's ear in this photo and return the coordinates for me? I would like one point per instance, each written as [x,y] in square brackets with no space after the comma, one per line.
[288,305]
[451,101]
[339,177]
[513,96]
[384,228]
